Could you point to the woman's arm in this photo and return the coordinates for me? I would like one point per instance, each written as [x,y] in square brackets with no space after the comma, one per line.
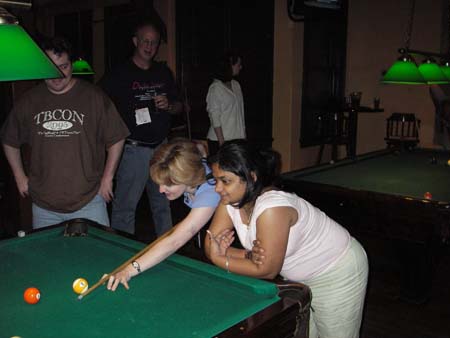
[272,228]
[219,134]
[214,109]
[183,231]
[221,222]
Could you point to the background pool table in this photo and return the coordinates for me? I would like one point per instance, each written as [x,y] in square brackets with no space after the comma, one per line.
[379,197]
[180,297]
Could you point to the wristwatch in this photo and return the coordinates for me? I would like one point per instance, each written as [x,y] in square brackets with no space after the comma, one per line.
[136,266]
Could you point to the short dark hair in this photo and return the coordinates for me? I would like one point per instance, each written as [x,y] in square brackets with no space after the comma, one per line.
[153,21]
[224,71]
[243,159]
[57,45]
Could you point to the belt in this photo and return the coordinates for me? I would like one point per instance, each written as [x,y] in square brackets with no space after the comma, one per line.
[135,143]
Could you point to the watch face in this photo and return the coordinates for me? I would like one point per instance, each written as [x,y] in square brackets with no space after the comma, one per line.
[136,266]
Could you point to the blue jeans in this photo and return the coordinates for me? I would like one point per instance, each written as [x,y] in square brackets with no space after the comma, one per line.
[95,210]
[132,177]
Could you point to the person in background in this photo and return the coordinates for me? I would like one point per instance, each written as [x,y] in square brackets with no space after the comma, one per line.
[145,94]
[440,94]
[76,138]
[180,169]
[225,103]
[284,234]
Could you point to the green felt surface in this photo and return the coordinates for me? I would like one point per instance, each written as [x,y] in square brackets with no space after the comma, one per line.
[407,174]
[178,298]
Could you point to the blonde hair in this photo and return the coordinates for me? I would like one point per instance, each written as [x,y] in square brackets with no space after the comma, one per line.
[178,162]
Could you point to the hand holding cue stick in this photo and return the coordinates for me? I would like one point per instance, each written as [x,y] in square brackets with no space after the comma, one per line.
[139,254]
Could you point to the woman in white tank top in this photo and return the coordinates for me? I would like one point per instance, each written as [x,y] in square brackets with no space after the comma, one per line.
[284,234]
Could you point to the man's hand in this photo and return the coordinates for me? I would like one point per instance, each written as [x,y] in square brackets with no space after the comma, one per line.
[106,189]
[161,102]
[15,161]
[22,185]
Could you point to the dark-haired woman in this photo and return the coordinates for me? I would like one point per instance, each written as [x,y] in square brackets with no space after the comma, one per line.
[225,103]
[180,170]
[293,238]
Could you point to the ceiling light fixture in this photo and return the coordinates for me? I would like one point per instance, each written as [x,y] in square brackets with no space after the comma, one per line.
[20,56]
[81,66]
[405,70]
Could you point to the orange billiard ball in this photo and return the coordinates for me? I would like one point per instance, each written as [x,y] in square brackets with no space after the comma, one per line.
[428,195]
[32,295]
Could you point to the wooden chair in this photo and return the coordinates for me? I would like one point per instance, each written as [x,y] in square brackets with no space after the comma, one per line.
[402,131]
[334,130]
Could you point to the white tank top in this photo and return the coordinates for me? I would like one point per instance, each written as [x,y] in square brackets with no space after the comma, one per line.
[315,243]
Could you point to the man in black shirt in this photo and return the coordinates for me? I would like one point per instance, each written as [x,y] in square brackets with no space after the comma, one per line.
[145,94]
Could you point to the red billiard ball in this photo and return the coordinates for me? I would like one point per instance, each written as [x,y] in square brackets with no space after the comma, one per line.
[32,295]
[428,195]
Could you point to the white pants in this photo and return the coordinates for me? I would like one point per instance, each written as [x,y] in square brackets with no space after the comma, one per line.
[338,296]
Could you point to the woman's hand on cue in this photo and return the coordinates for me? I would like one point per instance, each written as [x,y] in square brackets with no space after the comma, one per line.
[121,277]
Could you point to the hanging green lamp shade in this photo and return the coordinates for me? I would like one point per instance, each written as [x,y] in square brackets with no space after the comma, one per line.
[81,67]
[20,57]
[432,73]
[403,71]
[445,68]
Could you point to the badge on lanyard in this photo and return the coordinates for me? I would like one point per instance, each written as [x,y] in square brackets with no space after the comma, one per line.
[142,116]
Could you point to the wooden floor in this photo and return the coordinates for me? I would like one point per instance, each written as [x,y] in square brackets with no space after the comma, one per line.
[385,316]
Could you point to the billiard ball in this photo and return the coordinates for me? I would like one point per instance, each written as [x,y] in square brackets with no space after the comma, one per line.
[427,195]
[80,285]
[32,295]
[448,163]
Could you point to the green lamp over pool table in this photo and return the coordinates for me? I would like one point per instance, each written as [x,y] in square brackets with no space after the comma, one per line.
[432,73]
[81,67]
[20,56]
[445,68]
[404,71]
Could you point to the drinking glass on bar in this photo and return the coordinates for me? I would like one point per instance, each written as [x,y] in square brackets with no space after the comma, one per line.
[376,103]
[355,98]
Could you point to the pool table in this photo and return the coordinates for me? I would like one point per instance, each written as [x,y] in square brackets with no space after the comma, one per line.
[180,297]
[380,197]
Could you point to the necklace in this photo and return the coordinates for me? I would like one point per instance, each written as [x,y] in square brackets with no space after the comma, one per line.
[249,214]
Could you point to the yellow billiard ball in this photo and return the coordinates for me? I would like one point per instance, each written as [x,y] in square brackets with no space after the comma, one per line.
[80,285]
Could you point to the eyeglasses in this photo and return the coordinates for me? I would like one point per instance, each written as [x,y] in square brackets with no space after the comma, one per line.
[149,43]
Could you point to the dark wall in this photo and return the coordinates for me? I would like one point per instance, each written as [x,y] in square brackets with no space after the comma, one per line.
[205,29]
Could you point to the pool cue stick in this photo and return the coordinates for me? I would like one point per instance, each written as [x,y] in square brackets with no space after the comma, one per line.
[123,265]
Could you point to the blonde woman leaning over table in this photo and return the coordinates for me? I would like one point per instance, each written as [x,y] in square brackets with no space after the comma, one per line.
[180,169]
[287,236]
